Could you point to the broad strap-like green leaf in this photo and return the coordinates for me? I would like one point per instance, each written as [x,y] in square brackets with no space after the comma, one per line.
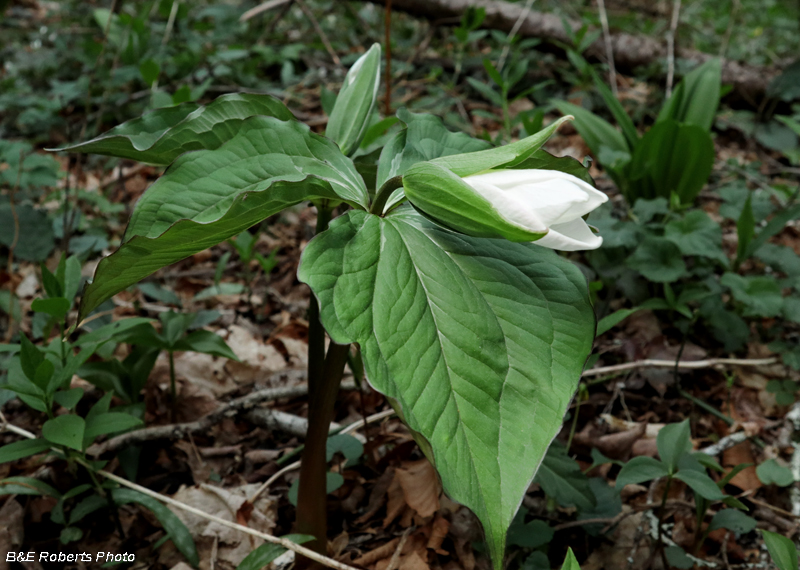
[208,196]
[160,136]
[672,157]
[696,97]
[350,116]
[623,119]
[173,526]
[480,344]
[596,131]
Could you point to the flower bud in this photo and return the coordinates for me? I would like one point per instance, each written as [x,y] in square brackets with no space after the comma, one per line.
[543,206]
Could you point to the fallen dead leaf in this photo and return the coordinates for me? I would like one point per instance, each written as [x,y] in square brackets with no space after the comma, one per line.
[12,531]
[420,485]
[257,359]
[439,529]
[376,554]
[395,501]
[746,480]
[226,503]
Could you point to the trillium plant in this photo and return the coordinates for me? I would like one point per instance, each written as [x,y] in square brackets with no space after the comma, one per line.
[434,256]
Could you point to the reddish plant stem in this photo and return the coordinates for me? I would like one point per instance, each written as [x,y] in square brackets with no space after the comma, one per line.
[387,104]
[312,495]
[324,375]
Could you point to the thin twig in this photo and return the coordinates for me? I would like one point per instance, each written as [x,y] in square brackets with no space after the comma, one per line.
[686,364]
[11,248]
[387,24]
[288,544]
[724,550]
[170,22]
[731,21]
[320,32]
[6,426]
[264,7]
[612,70]
[725,443]
[676,12]
[514,29]
[98,65]
[232,408]
[393,561]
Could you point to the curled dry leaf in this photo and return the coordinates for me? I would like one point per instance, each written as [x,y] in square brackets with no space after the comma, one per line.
[257,358]
[746,480]
[420,485]
[439,529]
[233,545]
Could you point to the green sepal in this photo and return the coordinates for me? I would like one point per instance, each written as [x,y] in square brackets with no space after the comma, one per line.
[447,199]
[506,156]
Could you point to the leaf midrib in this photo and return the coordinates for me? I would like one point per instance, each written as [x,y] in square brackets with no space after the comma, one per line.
[461,424]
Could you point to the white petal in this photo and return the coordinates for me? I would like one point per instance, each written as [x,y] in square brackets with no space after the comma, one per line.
[570,236]
[547,188]
[509,207]
[554,201]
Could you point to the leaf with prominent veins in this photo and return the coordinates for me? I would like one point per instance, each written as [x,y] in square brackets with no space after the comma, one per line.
[208,196]
[160,136]
[480,342]
[201,186]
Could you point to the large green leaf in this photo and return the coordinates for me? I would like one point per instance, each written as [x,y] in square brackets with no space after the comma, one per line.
[202,186]
[160,136]
[479,343]
[672,157]
[65,430]
[781,549]
[424,138]
[22,448]
[208,196]
[350,116]
[697,234]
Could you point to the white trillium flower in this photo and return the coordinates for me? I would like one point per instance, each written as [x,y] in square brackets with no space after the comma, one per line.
[543,201]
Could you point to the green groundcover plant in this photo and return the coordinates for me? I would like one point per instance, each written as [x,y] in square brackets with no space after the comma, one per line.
[674,158]
[422,258]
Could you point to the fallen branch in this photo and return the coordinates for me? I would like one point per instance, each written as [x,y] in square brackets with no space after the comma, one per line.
[229,410]
[686,364]
[793,418]
[612,69]
[629,50]
[351,428]
[275,420]
[725,443]
[264,7]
